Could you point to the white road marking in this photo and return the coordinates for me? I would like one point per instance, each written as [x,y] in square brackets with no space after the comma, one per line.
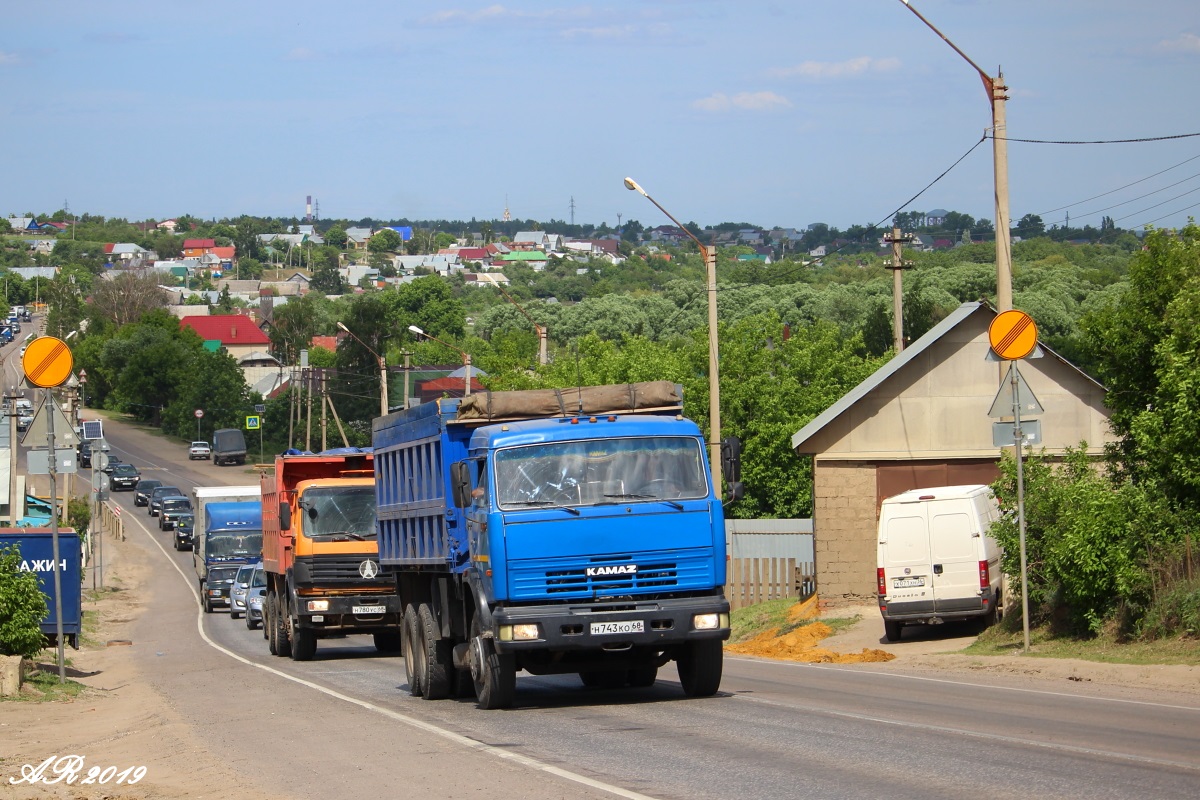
[456,738]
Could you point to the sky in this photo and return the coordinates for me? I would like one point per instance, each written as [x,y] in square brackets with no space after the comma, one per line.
[771,113]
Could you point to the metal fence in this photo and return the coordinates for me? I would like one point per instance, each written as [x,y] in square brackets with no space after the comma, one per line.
[769,559]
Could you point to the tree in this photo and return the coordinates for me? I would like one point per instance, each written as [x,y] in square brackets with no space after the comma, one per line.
[125,298]
[1030,225]
[386,241]
[22,607]
[327,280]
[336,236]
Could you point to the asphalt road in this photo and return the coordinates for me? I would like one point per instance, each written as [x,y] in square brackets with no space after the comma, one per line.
[776,730]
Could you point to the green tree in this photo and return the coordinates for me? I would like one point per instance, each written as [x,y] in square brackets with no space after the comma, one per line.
[1030,225]
[336,237]
[327,280]
[385,241]
[22,607]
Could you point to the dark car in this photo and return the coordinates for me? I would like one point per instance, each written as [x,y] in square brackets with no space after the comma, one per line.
[85,454]
[158,493]
[124,477]
[141,492]
[184,522]
[112,464]
[169,510]
[216,587]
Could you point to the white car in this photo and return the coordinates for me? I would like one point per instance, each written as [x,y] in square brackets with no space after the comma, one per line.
[199,450]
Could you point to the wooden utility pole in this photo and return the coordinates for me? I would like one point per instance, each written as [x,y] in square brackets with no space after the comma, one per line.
[897,266]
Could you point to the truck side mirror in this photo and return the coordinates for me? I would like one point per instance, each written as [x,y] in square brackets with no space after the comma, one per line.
[460,480]
[731,459]
[285,517]
[736,492]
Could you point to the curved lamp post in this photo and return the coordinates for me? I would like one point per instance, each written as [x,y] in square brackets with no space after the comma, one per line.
[383,392]
[714,379]
[465,355]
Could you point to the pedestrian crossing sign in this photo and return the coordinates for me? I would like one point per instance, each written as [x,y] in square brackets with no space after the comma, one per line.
[253,422]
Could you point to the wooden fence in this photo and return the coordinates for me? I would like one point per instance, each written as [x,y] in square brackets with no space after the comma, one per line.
[756,580]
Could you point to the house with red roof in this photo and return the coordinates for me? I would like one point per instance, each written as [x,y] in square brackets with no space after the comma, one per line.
[194,248]
[235,332]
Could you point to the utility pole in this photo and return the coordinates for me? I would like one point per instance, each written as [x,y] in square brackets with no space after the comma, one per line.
[308,409]
[324,402]
[897,266]
[407,367]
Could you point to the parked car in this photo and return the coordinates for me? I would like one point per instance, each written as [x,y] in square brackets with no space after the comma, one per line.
[184,522]
[170,509]
[229,446]
[158,493]
[199,450]
[84,454]
[239,589]
[124,476]
[255,596]
[141,492]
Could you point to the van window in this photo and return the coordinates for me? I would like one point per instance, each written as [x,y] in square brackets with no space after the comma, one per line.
[950,537]
[907,542]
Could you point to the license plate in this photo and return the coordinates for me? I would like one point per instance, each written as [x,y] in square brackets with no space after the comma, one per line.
[369,609]
[628,626]
[905,583]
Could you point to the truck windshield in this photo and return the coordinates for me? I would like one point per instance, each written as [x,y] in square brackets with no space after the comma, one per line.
[600,471]
[339,513]
[233,544]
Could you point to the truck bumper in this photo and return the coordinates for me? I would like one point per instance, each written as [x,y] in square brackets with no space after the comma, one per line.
[339,614]
[613,625]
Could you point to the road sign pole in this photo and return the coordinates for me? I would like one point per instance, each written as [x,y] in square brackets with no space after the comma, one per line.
[1018,441]
[62,664]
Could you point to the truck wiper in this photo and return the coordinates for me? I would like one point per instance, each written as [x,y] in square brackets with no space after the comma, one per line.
[670,502]
[343,536]
[546,504]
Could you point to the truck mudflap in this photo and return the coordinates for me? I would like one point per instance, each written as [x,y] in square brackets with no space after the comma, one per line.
[354,613]
[612,625]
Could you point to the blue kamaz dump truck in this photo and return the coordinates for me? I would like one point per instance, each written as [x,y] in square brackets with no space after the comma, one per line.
[552,531]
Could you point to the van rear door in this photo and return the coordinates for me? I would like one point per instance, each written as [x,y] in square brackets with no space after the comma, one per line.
[906,560]
[954,545]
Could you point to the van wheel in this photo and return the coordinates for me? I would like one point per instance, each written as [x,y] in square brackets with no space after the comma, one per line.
[891,630]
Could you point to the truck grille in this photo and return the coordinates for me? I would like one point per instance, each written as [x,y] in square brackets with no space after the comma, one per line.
[339,569]
[656,573]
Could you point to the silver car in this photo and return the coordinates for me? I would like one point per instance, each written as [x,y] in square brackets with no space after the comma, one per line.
[238,590]
[255,596]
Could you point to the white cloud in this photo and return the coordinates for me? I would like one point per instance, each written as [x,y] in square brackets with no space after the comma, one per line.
[745,101]
[9,58]
[823,70]
[1183,43]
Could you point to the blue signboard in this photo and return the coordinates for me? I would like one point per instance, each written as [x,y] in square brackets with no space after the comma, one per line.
[37,556]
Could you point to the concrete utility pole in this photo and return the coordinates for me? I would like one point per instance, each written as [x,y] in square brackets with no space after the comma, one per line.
[997,94]
[898,265]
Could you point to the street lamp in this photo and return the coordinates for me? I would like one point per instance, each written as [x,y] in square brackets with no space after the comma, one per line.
[383,394]
[714,379]
[466,357]
[996,92]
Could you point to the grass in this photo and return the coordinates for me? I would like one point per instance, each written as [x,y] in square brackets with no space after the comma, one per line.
[750,621]
[1008,639]
[43,680]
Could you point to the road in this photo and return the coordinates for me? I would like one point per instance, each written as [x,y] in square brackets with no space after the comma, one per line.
[776,730]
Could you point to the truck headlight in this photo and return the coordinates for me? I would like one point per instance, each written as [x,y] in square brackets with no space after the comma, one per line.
[519,633]
[318,605]
[709,622]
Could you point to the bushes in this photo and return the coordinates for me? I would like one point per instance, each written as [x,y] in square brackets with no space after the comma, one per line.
[22,607]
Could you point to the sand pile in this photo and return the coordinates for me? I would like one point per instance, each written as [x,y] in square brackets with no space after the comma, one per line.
[801,643]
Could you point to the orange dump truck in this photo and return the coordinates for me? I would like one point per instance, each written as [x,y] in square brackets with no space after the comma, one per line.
[321,556]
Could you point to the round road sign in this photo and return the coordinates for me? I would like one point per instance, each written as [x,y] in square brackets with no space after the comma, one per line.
[1012,335]
[47,362]
[199,413]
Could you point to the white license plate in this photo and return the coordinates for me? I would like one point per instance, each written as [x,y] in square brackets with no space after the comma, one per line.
[905,583]
[629,626]
[369,609]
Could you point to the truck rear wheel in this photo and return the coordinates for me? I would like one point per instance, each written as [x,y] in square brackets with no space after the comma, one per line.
[437,657]
[304,643]
[269,624]
[409,632]
[700,666]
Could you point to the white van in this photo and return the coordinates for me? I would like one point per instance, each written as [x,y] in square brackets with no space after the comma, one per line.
[937,560]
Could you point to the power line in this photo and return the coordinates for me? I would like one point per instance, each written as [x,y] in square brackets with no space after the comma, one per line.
[1139,197]
[1097,141]
[1119,188]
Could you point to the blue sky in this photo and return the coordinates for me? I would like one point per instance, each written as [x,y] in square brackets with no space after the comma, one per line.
[774,113]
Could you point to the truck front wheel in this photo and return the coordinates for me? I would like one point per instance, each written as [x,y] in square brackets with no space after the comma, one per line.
[283,645]
[494,675]
[436,655]
[387,642]
[304,643]
[409,633]
[700,666]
